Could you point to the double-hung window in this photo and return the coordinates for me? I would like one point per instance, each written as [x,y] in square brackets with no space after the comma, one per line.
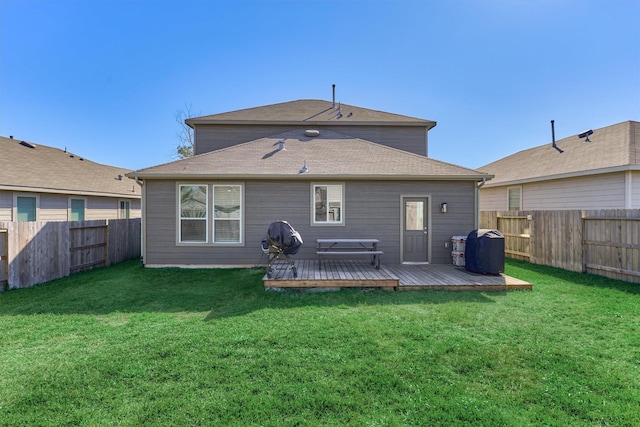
[514,195]
[193,227]
[328,204]
[124,212]
[227,214]
[195,214]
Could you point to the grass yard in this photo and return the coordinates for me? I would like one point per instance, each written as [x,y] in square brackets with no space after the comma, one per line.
[127,345]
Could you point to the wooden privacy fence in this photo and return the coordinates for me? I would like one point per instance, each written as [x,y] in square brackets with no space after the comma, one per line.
[37,251]
[603,242]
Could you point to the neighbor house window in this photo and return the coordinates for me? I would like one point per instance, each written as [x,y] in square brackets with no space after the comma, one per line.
[193,208]
[26,208]
[515,198]
[124,212]
[328,203]
[76,209]
[227,213]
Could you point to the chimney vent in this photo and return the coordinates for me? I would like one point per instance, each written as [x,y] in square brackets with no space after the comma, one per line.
[553,137]
[333,105]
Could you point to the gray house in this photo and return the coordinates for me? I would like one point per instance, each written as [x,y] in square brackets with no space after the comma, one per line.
[600,170]
[330,170]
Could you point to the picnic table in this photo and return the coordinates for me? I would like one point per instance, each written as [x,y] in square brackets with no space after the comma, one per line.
[349,247]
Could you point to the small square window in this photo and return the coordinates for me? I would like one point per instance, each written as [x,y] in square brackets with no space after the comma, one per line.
[26,208]
[328,204]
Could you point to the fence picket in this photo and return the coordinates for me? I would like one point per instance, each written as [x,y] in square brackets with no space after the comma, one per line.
[604,242]
[37,252]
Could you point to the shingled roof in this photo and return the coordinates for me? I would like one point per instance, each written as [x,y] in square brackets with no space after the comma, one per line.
[26,166]
[612,148]
[312,112]
[329,155]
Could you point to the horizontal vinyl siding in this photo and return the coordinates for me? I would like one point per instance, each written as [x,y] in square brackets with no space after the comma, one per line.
[635,188]
[53,207]
[372,209]
[606,191]
[214,137]
[411,139]
[101,208]
[493,199]
[6,206]
[136,208]
[109,208]
[603,191]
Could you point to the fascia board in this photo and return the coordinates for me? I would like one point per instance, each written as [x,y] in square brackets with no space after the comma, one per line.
[308,176]
[577,174]
[302,124]
[28,189]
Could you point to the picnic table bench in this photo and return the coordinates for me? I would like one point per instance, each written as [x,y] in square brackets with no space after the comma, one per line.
[349,247]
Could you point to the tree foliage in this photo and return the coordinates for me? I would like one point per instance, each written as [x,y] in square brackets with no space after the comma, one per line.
[185,137]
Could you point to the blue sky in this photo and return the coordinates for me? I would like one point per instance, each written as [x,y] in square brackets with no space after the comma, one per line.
[106,78]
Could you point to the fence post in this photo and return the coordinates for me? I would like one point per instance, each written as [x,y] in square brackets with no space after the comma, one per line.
[106,244]
[4,259]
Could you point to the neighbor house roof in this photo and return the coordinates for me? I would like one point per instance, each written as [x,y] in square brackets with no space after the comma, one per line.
[26,166]
[610,149]
[329,155]
[311,111]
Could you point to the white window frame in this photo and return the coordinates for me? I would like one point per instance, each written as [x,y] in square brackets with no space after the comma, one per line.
[210,218]
[314,186]
[240,219]
[15,204]
[128,210]
[509,189]
[84,213]
[180,218]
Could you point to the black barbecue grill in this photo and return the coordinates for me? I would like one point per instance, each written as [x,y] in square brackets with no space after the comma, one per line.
[281,241]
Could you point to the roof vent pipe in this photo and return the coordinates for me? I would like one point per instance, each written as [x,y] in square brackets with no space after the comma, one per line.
[553,137]
[333,105]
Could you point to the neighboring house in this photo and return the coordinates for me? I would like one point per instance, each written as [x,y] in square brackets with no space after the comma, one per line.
[601,173]
[40,183]
[330,170]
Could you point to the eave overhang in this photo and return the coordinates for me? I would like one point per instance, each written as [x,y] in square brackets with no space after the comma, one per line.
[309,176]
[32,189]
[576,174]
[428,124]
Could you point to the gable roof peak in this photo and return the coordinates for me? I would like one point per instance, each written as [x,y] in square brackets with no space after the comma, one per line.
[309,111]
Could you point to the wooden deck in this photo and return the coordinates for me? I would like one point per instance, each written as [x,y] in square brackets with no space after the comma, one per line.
[361,274]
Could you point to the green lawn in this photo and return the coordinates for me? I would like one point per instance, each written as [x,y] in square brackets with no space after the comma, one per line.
[127,345]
